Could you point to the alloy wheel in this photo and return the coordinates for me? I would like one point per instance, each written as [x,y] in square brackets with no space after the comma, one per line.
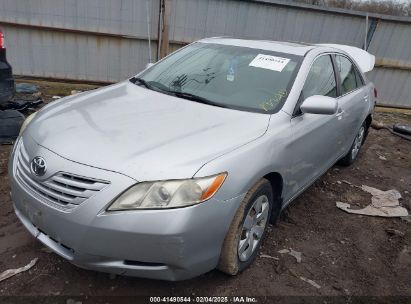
[357,143]
[253,228]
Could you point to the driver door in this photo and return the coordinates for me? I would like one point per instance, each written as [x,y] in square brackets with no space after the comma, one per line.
[317,140]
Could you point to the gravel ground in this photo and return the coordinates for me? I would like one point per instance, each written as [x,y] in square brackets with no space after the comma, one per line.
[345,254]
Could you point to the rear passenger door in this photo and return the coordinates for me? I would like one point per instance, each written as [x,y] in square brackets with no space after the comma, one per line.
[353,98]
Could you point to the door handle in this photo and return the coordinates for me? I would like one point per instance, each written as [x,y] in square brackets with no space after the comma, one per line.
[339,113]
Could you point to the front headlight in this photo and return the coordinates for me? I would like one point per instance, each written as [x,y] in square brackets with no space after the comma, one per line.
[26,122]
[169,193]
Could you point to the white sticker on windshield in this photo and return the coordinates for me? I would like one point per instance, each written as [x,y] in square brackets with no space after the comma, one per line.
[269,62]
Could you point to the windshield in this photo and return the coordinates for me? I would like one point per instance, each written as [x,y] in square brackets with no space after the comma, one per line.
[228,76]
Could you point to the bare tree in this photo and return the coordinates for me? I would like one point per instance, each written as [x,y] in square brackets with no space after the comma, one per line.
[389,7]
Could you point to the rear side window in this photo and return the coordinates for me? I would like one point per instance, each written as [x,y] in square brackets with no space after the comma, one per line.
[358,78]
[350,76]
[321,79]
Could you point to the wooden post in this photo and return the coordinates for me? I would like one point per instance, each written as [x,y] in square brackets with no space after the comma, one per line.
[163,40]
[366,32]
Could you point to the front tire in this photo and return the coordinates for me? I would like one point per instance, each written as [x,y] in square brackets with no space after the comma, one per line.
[247,229]
[355,148]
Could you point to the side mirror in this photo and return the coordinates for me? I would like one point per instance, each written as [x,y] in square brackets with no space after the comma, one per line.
[149,65]
[318,104]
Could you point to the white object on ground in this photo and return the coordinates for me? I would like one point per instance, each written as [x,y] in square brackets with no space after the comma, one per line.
[282,251]
[268,256]
[311,282]
[296,254]
[383,203]
[56,97]
[12,272]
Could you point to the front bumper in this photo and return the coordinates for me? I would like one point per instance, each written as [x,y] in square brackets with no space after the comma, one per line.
[172,244]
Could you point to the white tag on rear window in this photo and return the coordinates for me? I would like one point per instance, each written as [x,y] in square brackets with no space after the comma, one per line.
[269,62]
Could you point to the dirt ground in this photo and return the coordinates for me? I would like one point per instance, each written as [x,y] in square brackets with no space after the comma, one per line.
[345,254]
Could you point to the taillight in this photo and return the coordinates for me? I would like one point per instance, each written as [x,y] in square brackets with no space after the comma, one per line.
[375,93]
[1,40]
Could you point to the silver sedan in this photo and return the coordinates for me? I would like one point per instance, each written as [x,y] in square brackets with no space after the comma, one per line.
[179,170]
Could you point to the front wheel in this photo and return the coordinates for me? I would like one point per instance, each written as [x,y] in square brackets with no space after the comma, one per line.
[247,229]
[351,156]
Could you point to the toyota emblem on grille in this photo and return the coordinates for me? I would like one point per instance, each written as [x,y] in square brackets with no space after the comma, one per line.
[38,166]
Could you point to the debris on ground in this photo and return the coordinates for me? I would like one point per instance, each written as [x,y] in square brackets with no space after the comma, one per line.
[12,272]
[296,254]
[406,218]
[383,203]
[56,97]
[311,282]
[24,103]
[72,301]
[73,92]
[377,125]
[403,131]
[394,232]
[268,256]
[10,123]
[26,88]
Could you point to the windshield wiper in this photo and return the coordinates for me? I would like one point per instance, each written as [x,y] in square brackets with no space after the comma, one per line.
[179,94]
[141,81]
[196,98]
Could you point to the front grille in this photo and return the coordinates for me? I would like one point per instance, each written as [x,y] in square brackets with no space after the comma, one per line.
[63,190]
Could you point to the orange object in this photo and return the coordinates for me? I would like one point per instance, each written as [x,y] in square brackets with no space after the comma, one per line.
[216,184]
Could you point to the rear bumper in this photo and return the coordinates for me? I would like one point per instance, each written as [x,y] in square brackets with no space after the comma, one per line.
[173,244]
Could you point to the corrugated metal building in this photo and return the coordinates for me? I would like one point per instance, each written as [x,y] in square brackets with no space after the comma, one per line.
[107,40]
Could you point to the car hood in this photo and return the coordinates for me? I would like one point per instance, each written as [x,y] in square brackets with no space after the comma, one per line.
[141,133]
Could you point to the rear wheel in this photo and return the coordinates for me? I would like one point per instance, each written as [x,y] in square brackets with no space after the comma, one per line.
[352,155]
[247,229]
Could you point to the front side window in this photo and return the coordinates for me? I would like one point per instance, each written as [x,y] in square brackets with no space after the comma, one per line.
[225,75]
[350,77]
[321,79]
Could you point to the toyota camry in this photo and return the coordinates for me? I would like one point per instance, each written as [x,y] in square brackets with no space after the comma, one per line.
[180,169]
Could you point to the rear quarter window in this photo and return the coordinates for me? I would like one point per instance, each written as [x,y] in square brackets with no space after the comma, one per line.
[349,75]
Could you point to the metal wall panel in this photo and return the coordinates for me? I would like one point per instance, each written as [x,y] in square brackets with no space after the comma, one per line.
[191,20]
[123,17]
[392,41]
[393,86]
[35,52]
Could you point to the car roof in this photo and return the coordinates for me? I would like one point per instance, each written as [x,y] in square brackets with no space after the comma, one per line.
[294,48]
[363,59]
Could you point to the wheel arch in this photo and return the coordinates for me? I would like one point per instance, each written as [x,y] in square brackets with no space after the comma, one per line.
[277,184]
[368,122]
